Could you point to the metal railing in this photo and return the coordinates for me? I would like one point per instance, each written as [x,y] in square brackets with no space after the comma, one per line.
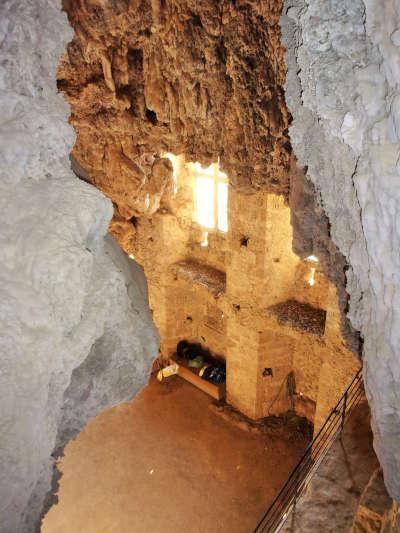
[276,515]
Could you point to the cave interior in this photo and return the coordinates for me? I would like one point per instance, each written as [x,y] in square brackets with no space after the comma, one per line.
[222,273]
[187,133]
[226,198]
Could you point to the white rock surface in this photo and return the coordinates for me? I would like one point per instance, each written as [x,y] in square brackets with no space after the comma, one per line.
[343,89]
[76,335]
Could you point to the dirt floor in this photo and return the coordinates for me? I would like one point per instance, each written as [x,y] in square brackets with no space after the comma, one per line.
[166,462]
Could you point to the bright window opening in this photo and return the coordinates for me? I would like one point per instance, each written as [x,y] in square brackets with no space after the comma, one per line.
[222,206]
[312,259]
[204,196]
[211,196]
[311,279]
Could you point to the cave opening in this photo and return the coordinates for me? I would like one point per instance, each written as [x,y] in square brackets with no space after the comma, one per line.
[202,185]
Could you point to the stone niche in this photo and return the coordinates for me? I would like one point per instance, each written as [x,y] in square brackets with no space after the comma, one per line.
[300,316]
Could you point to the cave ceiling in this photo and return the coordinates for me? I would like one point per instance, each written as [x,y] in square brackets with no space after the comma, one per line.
[199,78]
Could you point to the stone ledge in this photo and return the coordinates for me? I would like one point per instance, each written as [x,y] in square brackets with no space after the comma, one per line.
[209,277]
[299,316]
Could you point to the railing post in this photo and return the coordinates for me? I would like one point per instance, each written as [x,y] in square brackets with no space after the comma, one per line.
[344,411]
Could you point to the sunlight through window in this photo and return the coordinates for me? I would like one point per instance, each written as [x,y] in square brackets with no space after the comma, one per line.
[211,192]
[223,206]
[211,196]
[205,201]
[311,279]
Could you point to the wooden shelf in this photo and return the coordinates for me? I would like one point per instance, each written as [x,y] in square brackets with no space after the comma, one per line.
[216,391]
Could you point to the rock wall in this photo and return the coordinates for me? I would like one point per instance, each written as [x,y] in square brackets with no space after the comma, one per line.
[76,334]
[204,80]
[376,510]
[333,495]
[343,91]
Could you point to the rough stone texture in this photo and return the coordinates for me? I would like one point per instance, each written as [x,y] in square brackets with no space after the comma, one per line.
[311,236]
[374,506]
[391,521]
[334,492]
[203,80]
[303,317]
[211,278]
[343,91]
[261,270]
[200,78]
[71,303]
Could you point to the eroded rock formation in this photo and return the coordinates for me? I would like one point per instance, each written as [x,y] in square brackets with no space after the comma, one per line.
[343,91]
[76,334]
[311,235]
[200,78]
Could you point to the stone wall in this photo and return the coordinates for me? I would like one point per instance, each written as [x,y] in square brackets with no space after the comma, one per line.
[238,322]
[204,80]
[343,91]
[76,334]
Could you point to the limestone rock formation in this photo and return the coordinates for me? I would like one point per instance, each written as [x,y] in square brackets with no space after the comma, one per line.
[76,333]
[311,235]
[200,78]
[343,89]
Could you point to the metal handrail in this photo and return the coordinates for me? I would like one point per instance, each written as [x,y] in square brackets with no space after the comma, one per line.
[286,500]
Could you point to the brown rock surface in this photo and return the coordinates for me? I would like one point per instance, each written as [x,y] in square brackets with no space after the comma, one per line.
[374,507]
[311,235]
[201,78]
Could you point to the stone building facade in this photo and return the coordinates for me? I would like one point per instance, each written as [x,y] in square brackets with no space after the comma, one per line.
[247,297]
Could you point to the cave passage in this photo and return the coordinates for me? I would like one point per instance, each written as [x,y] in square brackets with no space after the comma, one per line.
[235,221]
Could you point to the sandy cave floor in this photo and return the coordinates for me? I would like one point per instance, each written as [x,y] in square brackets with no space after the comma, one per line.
[166,462]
